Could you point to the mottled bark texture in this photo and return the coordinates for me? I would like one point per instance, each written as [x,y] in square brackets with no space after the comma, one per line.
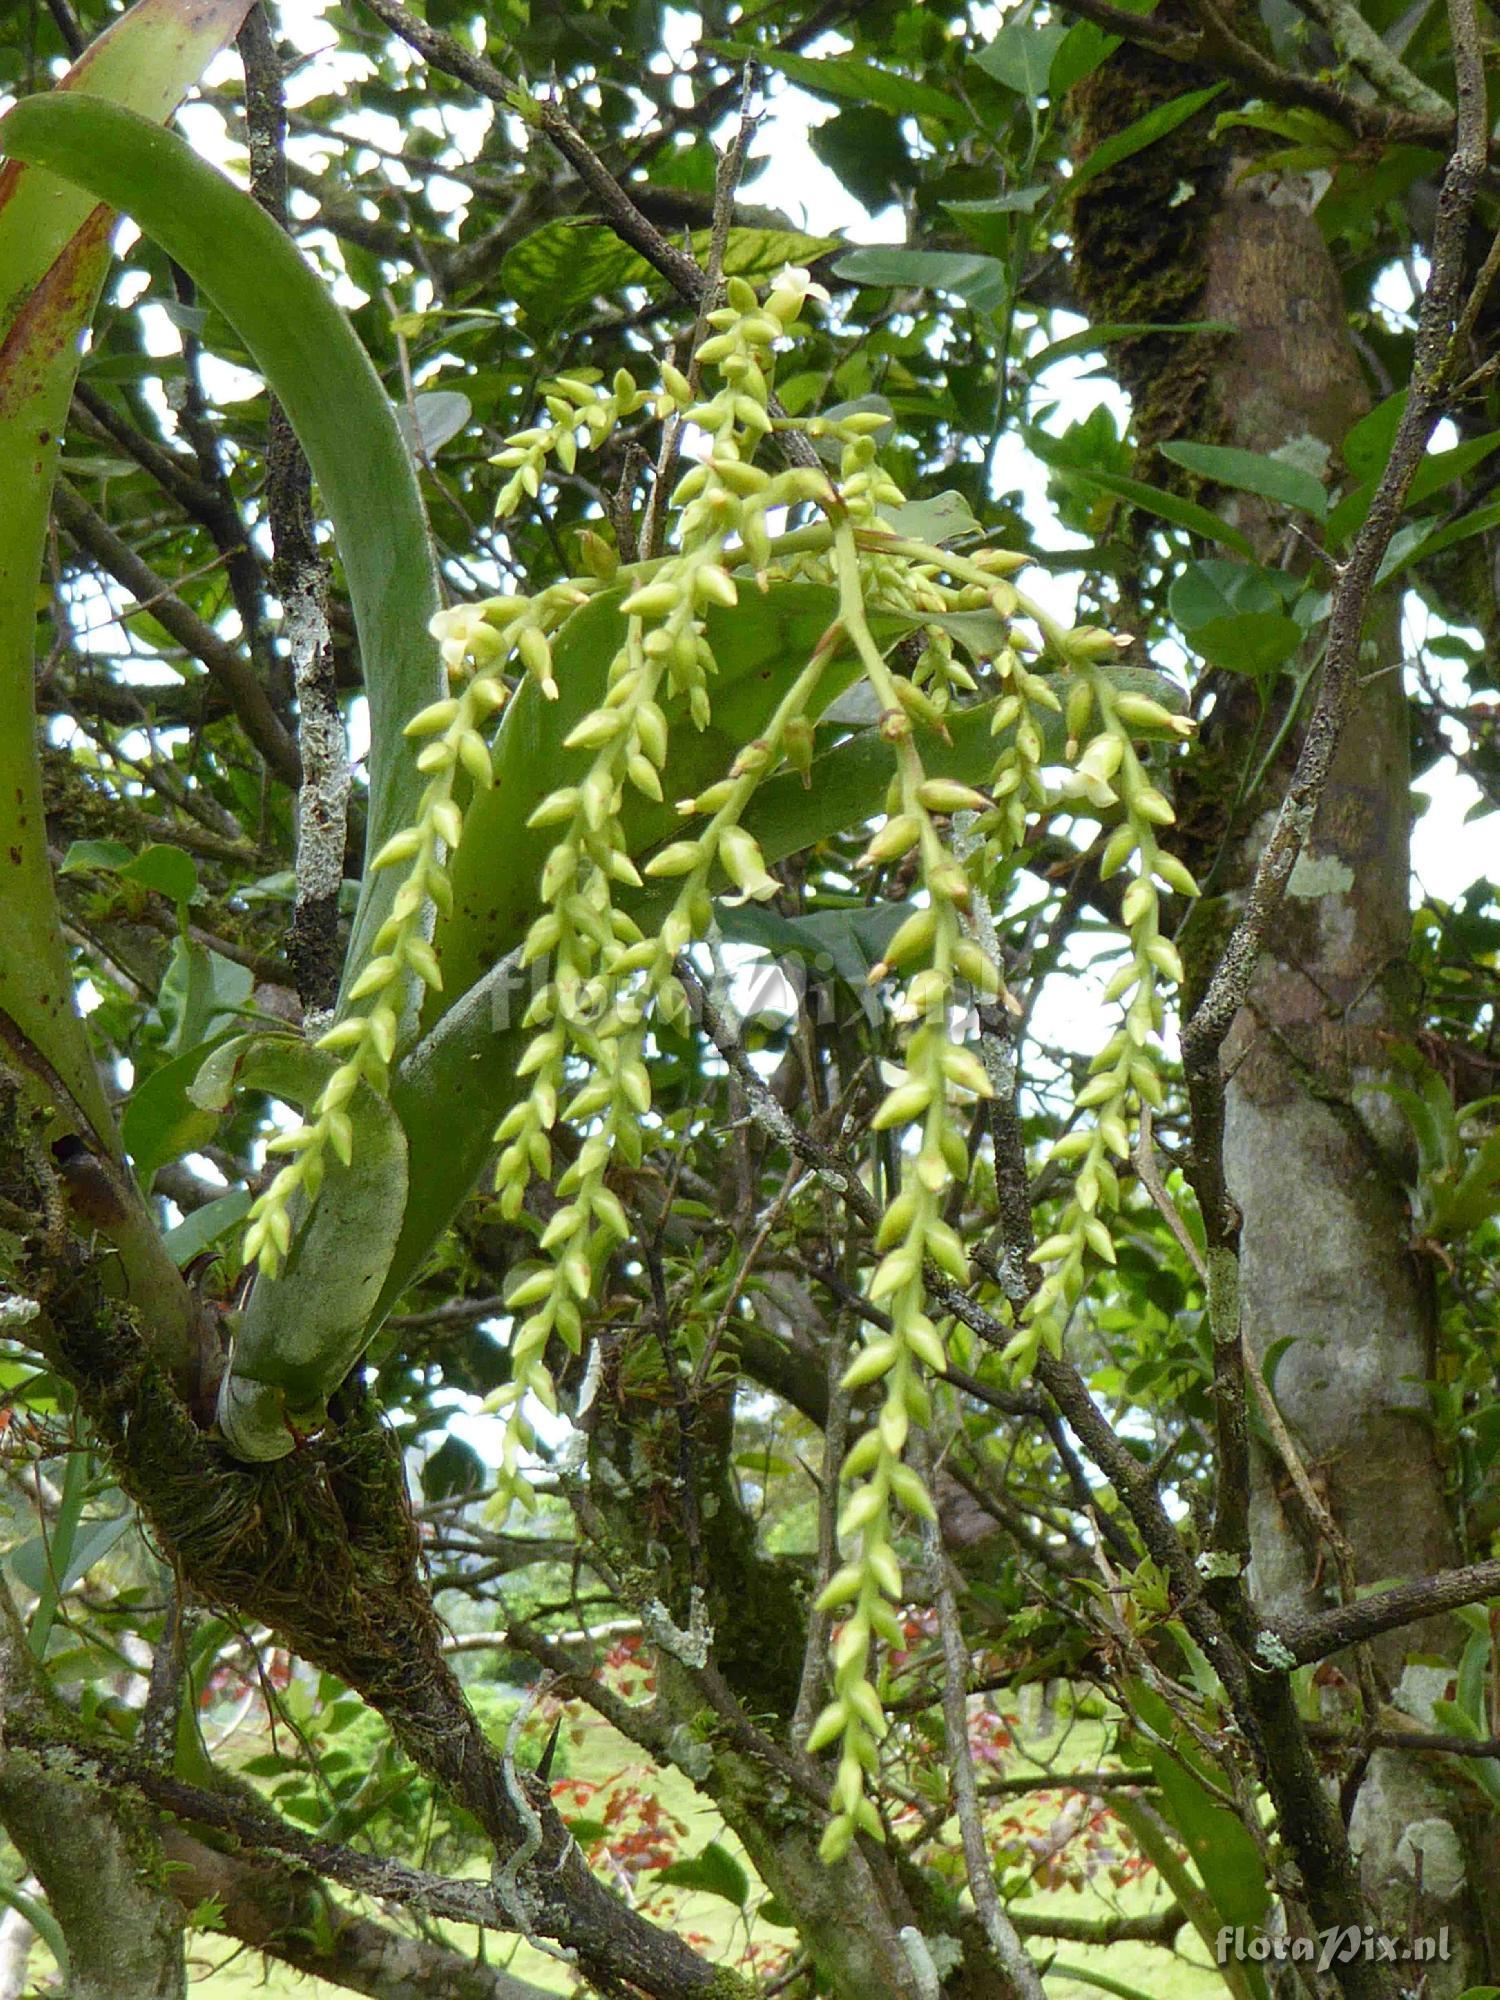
[1330,1287]
[300,576]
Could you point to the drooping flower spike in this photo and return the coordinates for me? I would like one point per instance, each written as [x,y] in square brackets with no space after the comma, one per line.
[606,981]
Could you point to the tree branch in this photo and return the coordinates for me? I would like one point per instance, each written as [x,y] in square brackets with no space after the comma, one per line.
[1314,1635]
[1217,46]
[299,576]
[229,668]
[287,1914]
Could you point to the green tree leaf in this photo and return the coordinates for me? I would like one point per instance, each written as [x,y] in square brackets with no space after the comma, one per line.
[981,282]
[714,1871]
[1169,506]
[1021,56]
[440,415]
[208,1225]
[161,1121]
[1251,472]
[855,81]
[1142,133]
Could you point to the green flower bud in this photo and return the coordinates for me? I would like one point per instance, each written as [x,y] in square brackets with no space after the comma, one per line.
[901,1105]
[376,976]
[915,935]
[714,585]
[474,755]
[875,1361]
[946,795]
[600,726]
[681,858]
[400,847]
[651,600]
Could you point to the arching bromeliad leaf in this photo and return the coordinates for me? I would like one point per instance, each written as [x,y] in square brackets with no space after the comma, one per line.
[1153,500]
[1145,131]
[311,358]
[300,1336]
[54,252]
[207,1225]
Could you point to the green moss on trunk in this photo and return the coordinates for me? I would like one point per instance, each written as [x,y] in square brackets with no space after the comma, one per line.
[1140,239]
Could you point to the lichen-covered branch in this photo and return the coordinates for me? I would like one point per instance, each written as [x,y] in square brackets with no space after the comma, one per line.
[300,578]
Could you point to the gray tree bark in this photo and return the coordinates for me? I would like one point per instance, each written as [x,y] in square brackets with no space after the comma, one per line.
[1314,1151]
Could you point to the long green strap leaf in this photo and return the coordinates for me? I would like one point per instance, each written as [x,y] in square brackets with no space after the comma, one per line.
[311,358]
[313,362]
[54,253]
[301,1335]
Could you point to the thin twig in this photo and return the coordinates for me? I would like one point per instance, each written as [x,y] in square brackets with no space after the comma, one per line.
[224,661]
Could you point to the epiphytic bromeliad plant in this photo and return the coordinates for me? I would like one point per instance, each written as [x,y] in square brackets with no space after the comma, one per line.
[772,684]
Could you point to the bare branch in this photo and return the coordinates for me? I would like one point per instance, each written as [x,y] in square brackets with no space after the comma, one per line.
[1313,1636]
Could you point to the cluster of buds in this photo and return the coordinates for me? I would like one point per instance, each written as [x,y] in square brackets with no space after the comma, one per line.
[607,980]
[581,413]
[605,974]
[478,643]
[937,946]
[1106,778]
[937,951]
[913,1236]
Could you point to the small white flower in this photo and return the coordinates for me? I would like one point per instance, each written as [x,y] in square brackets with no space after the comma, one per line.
[790,289]
[1096,767]
[463,633]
